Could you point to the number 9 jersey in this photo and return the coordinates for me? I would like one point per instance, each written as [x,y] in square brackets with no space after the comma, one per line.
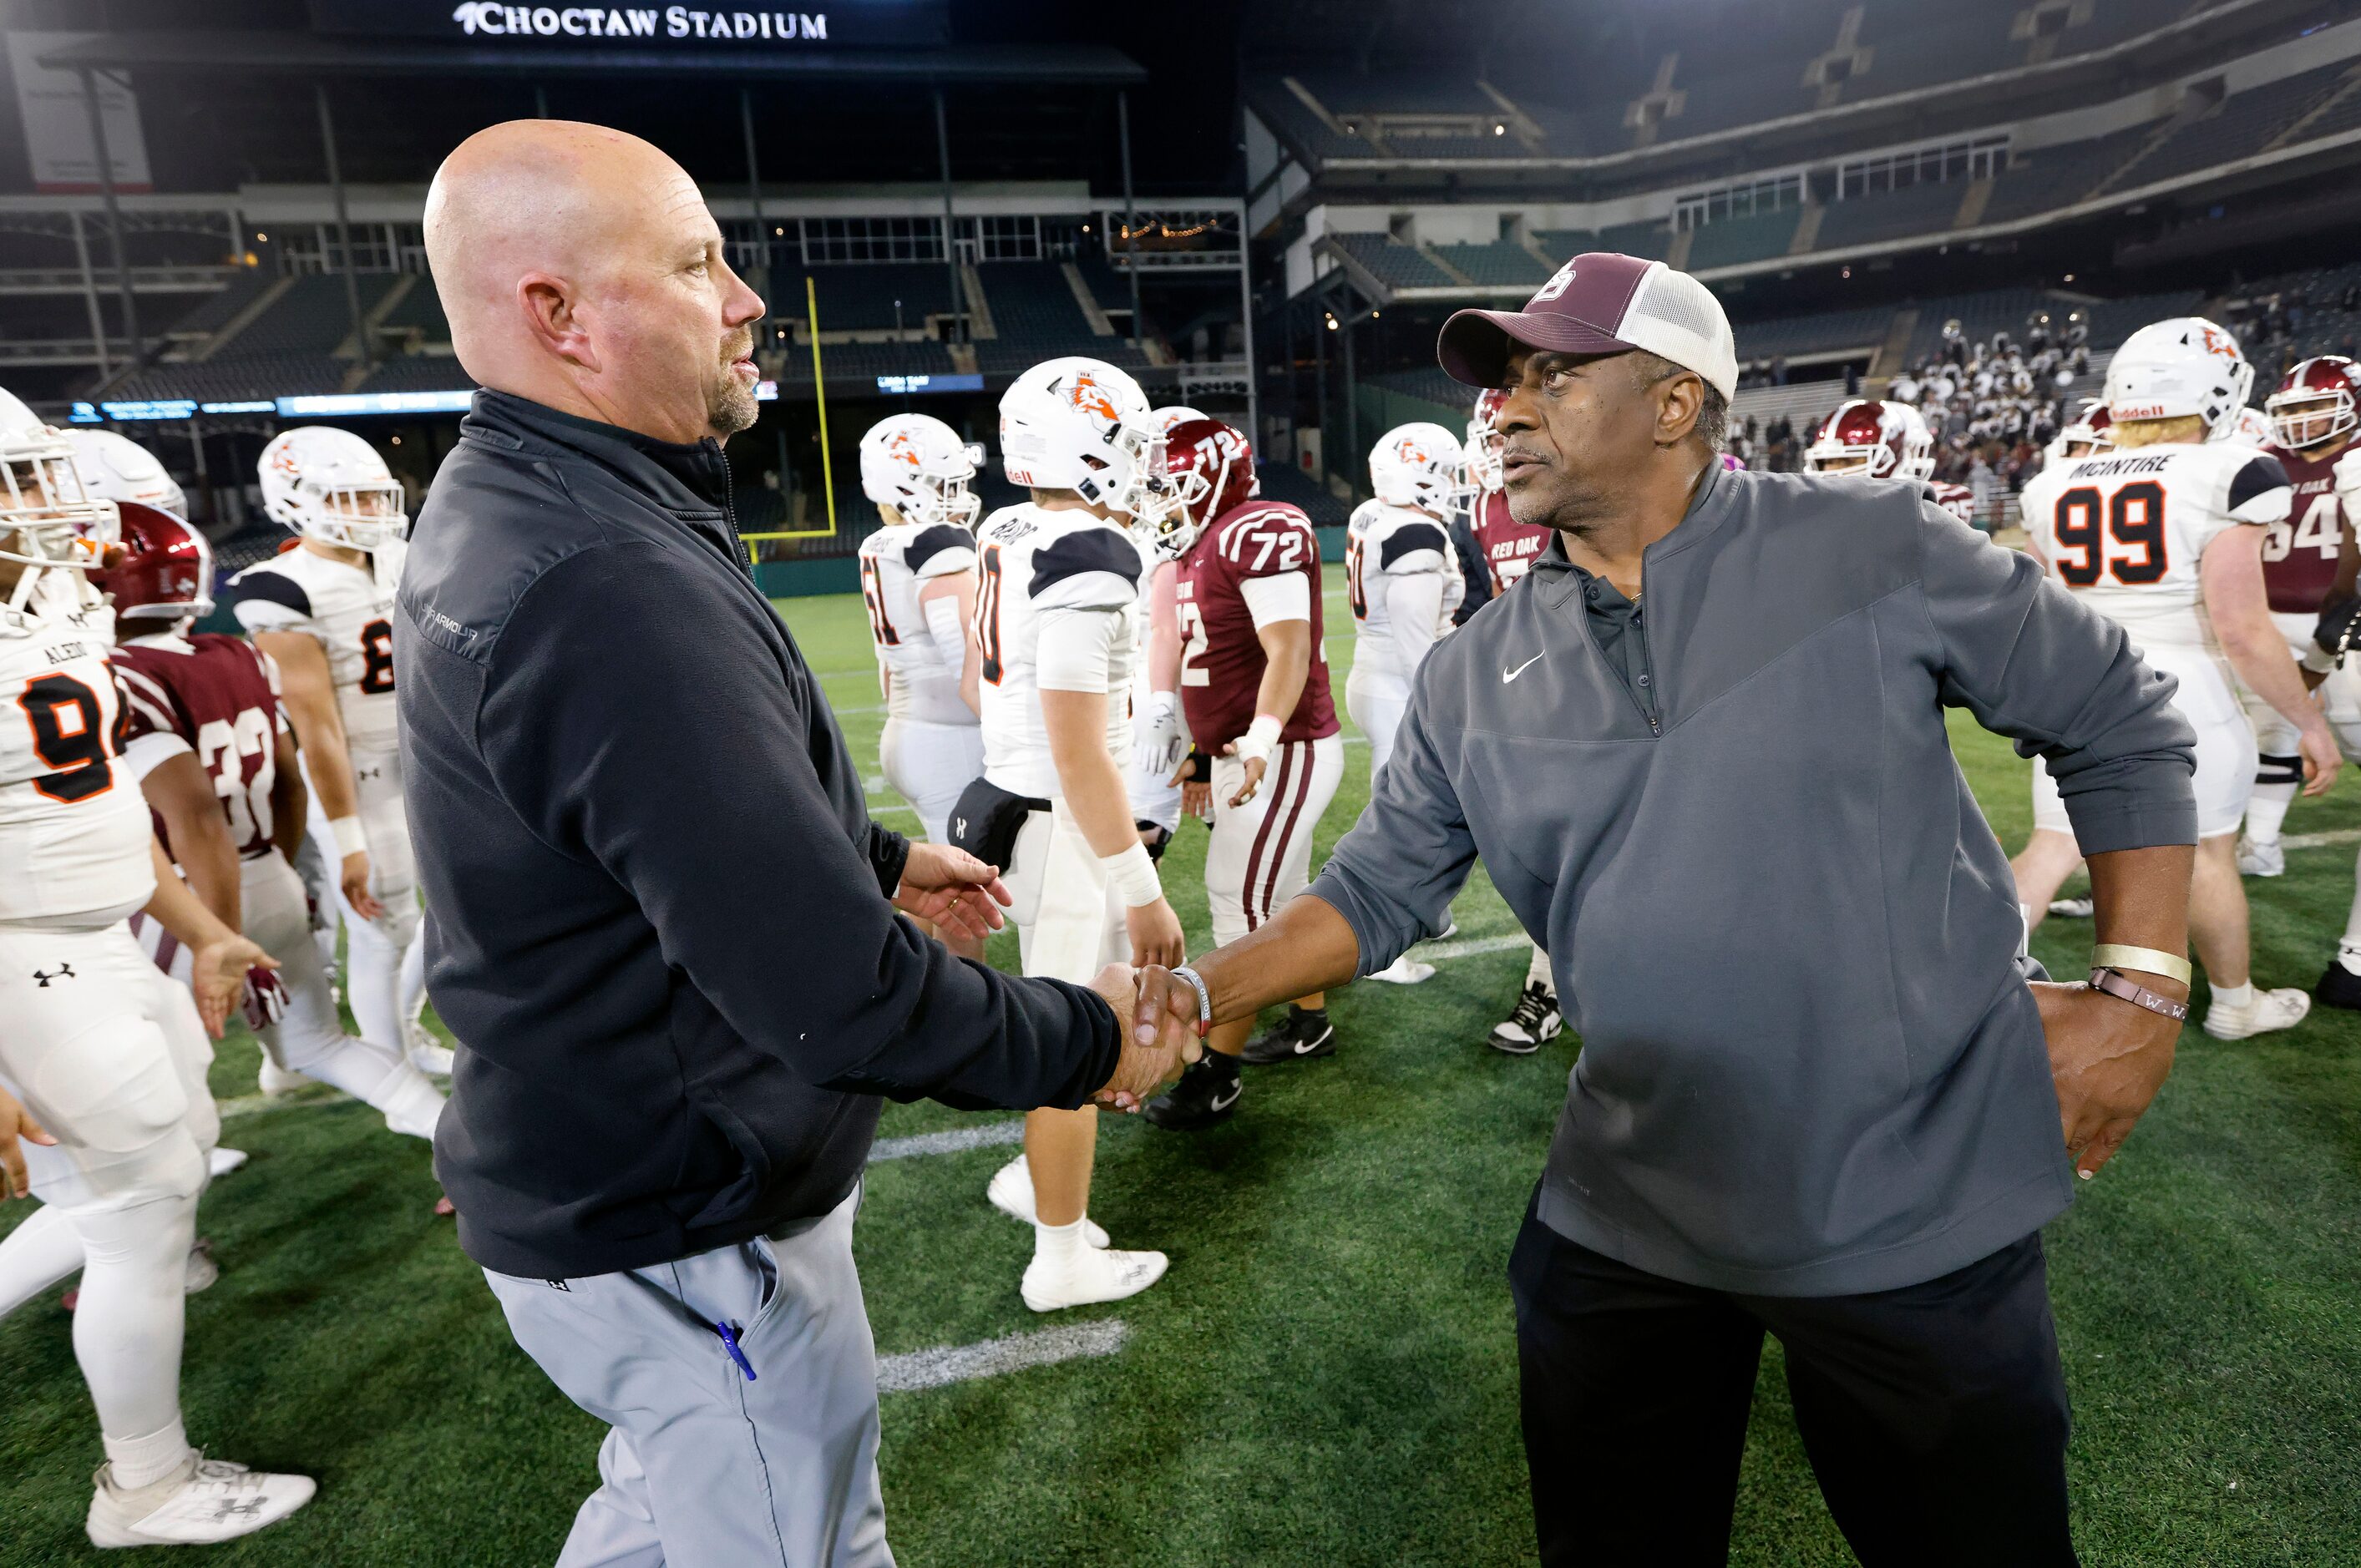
[349,609]
[73,826]
[2126,529]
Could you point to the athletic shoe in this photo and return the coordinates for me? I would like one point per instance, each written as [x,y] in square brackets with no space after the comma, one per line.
[2071,908]
[1450,927]
[222,1161]
[1405,970]
[205,1501]
[1207,1094]
[427,1054]
[2339,985]
[2282,1009]
[1535,1022]
[1299,1038]
[1090,1276]
[1011,1191]
[275,1081]
[2261,859]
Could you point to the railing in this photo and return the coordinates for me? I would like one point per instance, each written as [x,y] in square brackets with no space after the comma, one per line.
[143,279]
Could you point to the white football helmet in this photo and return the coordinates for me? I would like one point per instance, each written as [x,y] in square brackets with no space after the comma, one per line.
[1875,437]
[332,486]
[1172,414]
[46,519]
[2185,366]
[919,466]
[1419,465]
[1082,426]
[117,469]
[2252,427]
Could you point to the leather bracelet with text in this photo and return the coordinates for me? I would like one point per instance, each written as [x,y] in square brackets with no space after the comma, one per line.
[2116,982]
[2147,960]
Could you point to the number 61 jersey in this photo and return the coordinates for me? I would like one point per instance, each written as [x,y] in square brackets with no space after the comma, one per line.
[2125,528]
[73,826]
[349,609]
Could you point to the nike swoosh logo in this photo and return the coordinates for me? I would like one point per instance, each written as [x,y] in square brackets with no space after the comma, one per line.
[1507,675]
[1223,1101]
[1305,1047]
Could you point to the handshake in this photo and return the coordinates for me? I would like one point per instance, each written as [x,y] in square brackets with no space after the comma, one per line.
[1157,1016]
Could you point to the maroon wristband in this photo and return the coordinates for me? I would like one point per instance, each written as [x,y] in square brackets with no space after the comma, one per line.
[2116,982]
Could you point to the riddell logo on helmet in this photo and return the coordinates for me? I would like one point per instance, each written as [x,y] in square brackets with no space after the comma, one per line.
[2137,410]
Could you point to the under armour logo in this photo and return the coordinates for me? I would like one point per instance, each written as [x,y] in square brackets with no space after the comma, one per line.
[960,831]
[238,1509]
[63,971]
[559,1285]
[369,773]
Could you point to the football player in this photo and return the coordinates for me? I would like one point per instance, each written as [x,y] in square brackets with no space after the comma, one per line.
[2310,562]
[918,576]
[1402,575]
[1879,440]
[204,736]
[2164,535]
[1054,628]
[1254,680]
[1509,549]
[323,611]
[117,469]
[1160,737]
[96,1046]
[2089,432]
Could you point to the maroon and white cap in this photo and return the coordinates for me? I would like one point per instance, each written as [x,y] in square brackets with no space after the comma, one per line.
[1600,302]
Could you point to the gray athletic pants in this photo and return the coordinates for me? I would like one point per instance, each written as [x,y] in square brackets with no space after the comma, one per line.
[706,1468]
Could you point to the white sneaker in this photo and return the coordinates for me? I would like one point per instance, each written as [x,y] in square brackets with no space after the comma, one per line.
[2261,859]
[2281,1009]
[275,1080]
[222,1161]
[202,1272]
[207,1500]
[1090,1276]
[2071,908]
[1405,970]
[426,1053]
[1011,1191]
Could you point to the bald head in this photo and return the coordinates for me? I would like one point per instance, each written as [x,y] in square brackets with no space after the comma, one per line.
[580,268]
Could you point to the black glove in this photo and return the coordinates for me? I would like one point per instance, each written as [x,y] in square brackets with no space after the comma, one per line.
[2340,623]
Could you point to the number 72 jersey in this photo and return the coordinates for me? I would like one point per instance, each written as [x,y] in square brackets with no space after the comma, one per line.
[2126,530]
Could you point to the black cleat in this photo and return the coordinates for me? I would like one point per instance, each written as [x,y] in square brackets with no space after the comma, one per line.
[1303,1037]
[2338,987]
[1206,1095]
[1535,1022]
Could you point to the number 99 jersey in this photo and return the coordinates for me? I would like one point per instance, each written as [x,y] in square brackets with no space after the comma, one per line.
[349,609]
[2125,530]
[73,826]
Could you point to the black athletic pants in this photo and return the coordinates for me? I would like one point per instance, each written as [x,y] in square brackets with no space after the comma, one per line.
[1935,1416]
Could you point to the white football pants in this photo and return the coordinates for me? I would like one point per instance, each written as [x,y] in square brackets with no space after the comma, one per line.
[929,764]
[110,1056]
[2225,746]
[1260,854]
[376,951]
[1070,920]
[1376,706]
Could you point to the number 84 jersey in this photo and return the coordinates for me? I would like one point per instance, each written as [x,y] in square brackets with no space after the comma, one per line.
[349,608]
[2126,530]
[73,826]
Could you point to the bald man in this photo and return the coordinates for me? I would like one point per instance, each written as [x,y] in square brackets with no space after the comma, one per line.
[661,926]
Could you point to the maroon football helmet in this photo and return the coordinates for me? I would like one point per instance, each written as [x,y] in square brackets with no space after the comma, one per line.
[1210,468]
[2316,402]
[165,568]
[1483,443]
[1879,440]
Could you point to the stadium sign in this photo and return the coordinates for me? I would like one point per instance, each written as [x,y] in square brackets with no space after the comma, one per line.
[865,22]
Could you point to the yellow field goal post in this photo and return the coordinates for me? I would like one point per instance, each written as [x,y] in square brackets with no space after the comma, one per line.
[827,466]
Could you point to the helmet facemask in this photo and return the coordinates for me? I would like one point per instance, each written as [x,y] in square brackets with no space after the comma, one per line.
[367,515]
[2310,416]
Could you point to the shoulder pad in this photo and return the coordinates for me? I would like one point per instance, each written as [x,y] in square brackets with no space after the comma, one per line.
[1409,540]
[2257,477]
[1074,559]
[945,547]
[261,583]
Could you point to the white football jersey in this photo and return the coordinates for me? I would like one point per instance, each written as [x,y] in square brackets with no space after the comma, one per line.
[2125,528]
[349,609]
[73,826]
[1035,567]
[1383,545]
[895,562]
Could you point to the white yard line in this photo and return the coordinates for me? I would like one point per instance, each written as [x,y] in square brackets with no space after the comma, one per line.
[2321,841]
[980,1136]
[995,1358]
[1443,952]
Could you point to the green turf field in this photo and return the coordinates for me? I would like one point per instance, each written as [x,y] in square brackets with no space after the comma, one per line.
[1327,1376]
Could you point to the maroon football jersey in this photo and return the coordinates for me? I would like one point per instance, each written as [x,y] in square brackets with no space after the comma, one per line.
[1957,499]
[213,692]
[2299,551]
[1222,660]
[1509,547]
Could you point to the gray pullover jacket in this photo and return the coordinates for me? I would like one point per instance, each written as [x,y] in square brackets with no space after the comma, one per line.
[1811,1066]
